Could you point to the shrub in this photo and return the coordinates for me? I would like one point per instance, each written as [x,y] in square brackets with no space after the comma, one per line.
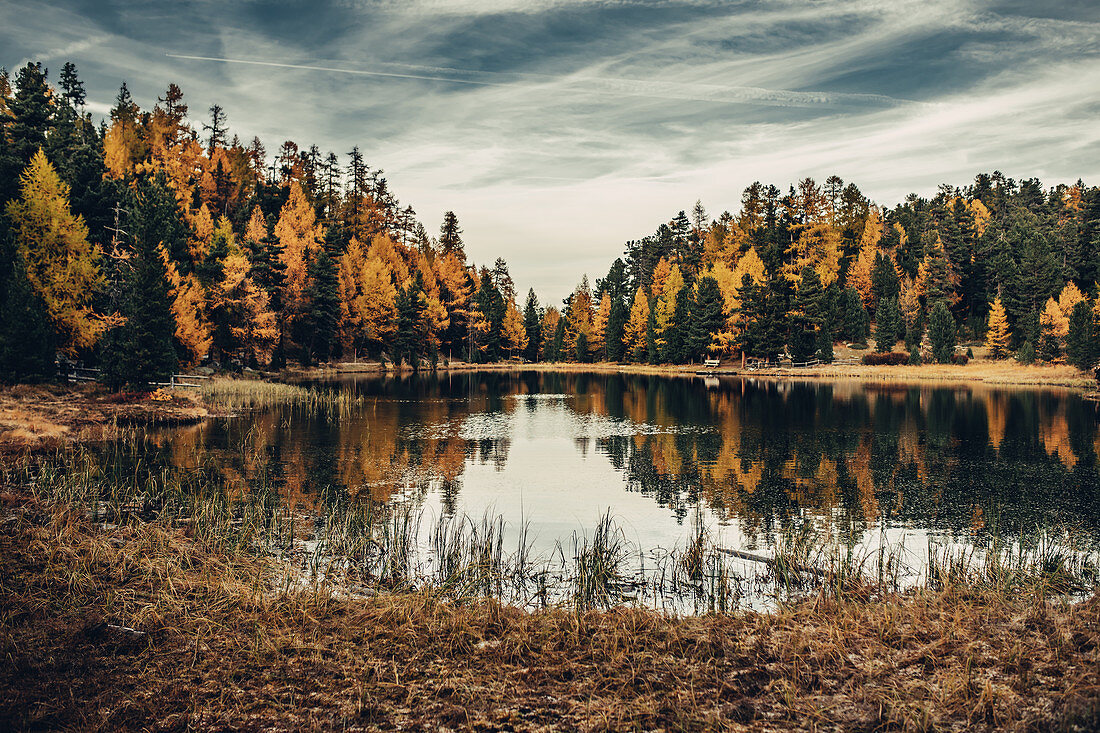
[890,358]
[960,359]
[1026,354]
[914,356]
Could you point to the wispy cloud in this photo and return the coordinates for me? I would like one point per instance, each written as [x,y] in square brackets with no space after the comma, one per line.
[559,129]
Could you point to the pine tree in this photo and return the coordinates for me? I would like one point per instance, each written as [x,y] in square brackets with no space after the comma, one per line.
[886,327]
[707,317]
[532,324]
[677,335]
[941,331]
[142,349]
[853,316]
[558,345]
[450,236]
[1081,337]
[997,334]
[411,330]
[323,307]
[32,113]
[1026,354]
[26,338]
[652,355]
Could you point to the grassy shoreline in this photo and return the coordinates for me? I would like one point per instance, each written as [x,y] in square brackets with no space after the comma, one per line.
[143,625]
[1004,372]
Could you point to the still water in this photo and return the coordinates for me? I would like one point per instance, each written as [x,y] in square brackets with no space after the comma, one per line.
[746,457]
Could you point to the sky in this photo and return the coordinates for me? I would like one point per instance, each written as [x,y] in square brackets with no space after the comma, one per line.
[558,130]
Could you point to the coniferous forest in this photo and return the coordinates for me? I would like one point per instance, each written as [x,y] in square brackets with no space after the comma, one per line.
[146,243]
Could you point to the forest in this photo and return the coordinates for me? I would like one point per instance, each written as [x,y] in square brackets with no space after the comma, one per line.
[148,243]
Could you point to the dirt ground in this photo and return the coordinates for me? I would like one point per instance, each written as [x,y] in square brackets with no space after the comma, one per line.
[139,628]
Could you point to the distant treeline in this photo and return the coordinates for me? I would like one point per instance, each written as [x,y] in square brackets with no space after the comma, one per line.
[146,242]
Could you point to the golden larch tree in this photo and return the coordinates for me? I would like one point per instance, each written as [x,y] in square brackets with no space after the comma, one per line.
[578,318]
[298,233]
[189,310]
[634,332]
[245,308]
[515,335]
[599,327]
[997,335]
[1070,296]
[62,266]
[666,301]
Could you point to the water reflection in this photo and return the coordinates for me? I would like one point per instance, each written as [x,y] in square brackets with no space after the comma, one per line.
[555,449]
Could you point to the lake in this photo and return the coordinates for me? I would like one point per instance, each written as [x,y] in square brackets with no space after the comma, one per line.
[863,464]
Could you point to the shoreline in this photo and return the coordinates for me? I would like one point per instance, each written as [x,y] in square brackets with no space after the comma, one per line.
[1003,372]
[45,417]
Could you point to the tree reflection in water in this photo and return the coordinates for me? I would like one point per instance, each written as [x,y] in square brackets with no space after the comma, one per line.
[758,455]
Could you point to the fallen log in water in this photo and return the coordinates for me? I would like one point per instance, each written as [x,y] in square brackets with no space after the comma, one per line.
[797,567]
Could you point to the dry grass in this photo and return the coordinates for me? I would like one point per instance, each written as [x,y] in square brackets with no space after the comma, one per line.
[43,417]
[219,648]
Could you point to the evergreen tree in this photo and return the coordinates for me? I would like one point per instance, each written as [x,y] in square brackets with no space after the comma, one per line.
[616,285]
[677,336]
[853,316]
[532,324]
[558,345]
[1026,354]
[707,317]
[809,329]
[26,338]
[884,279]
[580,348]
[31,111]
[450,235]
[941,331]
[886,327]
[1081,339]
[322,307]
[411,328]
[142,350]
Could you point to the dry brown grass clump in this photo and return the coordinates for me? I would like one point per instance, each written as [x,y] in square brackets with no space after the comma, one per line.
[140,627]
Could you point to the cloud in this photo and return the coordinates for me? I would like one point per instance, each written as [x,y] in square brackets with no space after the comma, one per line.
[558,130]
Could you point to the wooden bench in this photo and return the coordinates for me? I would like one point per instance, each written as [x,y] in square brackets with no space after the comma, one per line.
[711,363]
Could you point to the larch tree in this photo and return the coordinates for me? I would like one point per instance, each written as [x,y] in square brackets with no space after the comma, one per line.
[597,343]
[665,307]
[299,235]
[1053,327]
[188,304]
[997,334]
[62,266]
[245,327]
[515,334]
[578,322]
[634,335]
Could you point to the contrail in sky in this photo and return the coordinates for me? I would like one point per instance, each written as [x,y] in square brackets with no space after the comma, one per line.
[594,85]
